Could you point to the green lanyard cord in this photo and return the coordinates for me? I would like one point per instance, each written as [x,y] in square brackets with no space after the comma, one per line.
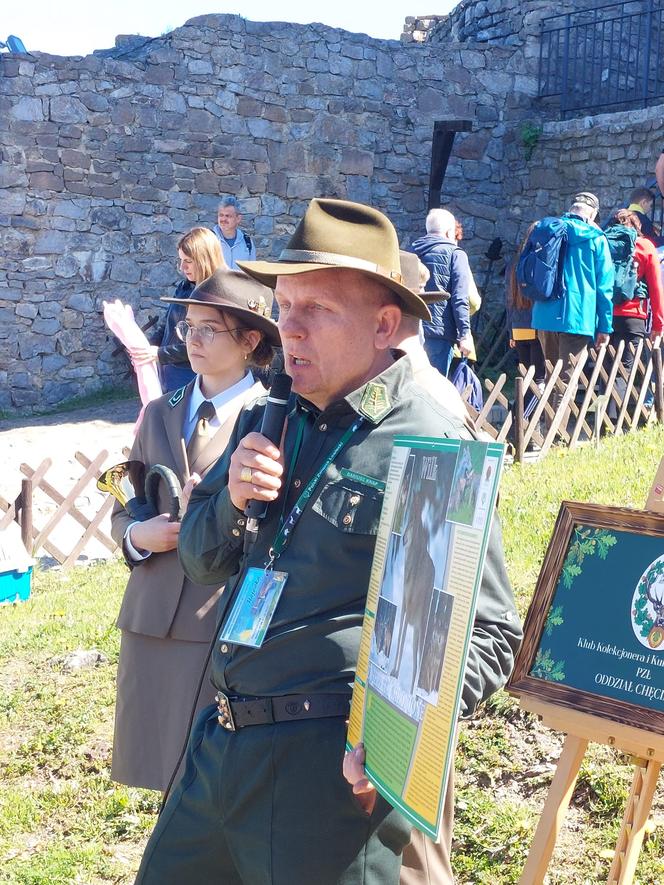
[287,528]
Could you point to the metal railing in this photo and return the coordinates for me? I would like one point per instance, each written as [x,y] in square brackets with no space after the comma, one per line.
[606,58]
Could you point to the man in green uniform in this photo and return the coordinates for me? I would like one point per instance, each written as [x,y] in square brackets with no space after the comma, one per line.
[263,800]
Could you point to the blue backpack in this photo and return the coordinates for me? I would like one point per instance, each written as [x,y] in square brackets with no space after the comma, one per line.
[539,271]
[622,242]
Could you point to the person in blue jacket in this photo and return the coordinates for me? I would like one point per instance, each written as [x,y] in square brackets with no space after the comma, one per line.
[450,272]
[585,314]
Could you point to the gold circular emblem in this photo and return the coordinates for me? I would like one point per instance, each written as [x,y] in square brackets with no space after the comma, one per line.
[656,637]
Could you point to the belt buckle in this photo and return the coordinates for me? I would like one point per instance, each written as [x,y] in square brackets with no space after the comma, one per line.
[225,717]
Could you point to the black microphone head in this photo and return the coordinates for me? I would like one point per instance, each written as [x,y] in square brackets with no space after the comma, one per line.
[281,386]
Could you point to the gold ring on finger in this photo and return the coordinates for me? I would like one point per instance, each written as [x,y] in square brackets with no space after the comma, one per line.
[246,474]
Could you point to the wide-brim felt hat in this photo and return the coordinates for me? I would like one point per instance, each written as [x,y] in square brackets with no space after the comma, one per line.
[410,275]
[341,234]
[239,295]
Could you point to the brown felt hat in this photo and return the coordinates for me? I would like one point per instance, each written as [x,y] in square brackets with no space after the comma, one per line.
[237,294]
[410,274]
[337,233]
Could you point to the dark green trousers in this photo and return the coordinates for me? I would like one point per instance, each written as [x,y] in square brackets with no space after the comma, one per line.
[268,805]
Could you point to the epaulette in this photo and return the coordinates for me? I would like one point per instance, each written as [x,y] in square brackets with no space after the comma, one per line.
[177,396]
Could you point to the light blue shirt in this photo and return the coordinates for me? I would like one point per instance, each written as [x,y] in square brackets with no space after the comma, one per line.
[238,251]
[222,403]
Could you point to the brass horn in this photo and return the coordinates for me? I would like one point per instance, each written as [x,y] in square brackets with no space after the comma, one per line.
[138,490]
[126,482]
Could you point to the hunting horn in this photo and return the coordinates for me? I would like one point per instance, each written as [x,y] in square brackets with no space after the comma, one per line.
[138,490]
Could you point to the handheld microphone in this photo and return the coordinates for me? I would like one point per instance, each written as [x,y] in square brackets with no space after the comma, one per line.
[272,426]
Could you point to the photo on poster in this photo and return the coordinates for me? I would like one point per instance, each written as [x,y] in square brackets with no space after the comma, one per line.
[415,564]
[435,643]
[484,495]
[381,641]
[404,492]
[392,581]
[466,482]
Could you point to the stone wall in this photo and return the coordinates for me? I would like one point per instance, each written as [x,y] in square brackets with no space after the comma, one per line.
[608,154]
[107,159]
[510,22]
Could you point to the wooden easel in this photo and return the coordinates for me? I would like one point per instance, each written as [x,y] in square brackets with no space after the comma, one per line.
[647,751]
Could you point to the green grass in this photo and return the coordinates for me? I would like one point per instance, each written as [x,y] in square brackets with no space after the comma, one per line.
[62,820]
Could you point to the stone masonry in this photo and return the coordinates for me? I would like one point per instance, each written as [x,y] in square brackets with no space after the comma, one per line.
[107,159]
[510,22]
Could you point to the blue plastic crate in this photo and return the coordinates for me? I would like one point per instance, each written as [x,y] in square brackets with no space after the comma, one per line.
[15,586]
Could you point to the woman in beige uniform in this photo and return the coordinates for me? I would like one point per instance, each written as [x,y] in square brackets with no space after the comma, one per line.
[166,620]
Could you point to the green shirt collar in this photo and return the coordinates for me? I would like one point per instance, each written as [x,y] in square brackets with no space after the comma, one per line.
[375,399]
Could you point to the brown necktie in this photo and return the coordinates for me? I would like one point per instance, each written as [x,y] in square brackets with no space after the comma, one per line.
[199,438]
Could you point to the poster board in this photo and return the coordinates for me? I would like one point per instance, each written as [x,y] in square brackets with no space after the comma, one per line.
[594,633]
[428,560]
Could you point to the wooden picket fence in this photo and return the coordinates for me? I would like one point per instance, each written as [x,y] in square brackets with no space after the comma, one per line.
[602,397]
[38,538]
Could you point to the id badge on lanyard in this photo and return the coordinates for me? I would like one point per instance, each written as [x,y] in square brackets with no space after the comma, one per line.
[256,601]
[254,607]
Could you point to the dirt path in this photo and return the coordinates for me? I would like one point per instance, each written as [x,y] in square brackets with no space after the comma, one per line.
[58,437]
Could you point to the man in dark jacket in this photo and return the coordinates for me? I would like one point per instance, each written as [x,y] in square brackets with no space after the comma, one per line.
[263,799]
[449,269]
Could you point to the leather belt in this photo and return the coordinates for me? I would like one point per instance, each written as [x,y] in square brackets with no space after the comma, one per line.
[237,713]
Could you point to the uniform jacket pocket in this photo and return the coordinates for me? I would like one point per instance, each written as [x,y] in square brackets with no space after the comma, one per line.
[350,506]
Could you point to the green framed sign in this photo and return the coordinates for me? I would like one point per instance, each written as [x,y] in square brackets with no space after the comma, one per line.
[594,633]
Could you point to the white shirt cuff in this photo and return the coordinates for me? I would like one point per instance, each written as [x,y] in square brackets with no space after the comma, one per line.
[132,552]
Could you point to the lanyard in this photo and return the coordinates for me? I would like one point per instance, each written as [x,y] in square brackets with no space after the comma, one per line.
[288,526]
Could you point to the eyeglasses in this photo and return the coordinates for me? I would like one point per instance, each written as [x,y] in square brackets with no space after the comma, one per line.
[185,330]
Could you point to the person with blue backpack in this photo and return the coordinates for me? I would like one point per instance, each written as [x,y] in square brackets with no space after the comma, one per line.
[638,295]
[567,271]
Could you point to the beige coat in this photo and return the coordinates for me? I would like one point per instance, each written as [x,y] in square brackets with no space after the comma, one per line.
[167,621]
[160,600]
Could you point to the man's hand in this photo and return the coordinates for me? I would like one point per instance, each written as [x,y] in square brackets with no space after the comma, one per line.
[655,338]
[465,345]
[157,535]
[140,356]
[353,769]
[602,339]
[255,471]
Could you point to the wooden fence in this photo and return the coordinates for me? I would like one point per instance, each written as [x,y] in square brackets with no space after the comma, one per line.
[36,538]
[601,397]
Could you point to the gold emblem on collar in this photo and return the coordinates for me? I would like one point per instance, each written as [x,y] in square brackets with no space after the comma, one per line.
[375,402]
